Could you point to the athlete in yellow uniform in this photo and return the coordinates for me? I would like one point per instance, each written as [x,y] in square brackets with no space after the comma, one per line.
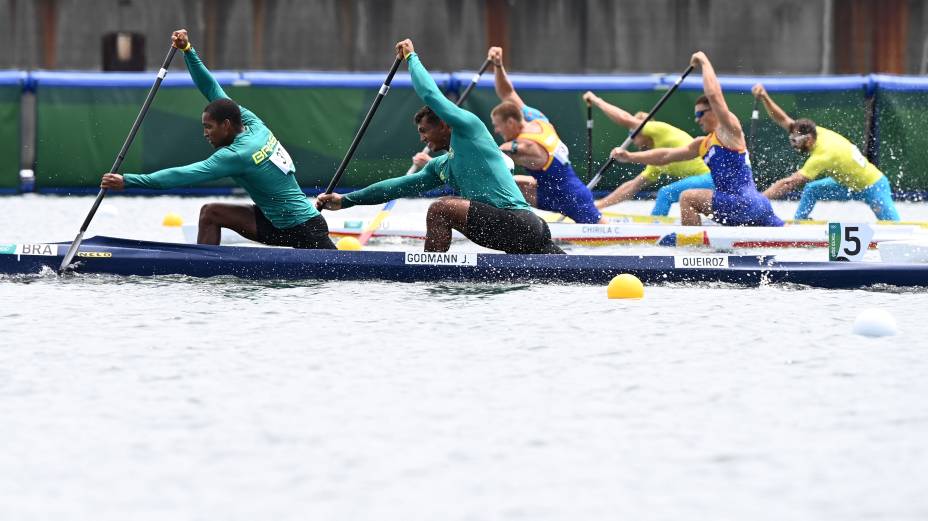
[692,173]
[849,176]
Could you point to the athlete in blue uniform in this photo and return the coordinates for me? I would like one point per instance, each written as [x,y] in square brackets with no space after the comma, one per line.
[532,142]
[735,201]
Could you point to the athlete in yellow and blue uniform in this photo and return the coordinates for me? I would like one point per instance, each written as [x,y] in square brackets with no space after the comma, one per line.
[557,187]
[735,201]
[690,174]
[532,142]
[849,175]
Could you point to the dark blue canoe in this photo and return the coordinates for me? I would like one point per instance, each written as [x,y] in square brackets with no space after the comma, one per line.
[133,257]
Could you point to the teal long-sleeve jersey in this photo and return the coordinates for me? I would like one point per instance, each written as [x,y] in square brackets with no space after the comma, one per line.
[255,160]
[474,166]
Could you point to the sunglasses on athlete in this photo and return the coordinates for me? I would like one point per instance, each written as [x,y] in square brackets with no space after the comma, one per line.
[700,113]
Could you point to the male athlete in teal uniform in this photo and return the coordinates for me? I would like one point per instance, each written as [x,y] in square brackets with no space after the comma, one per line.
[248,152]
[491,210]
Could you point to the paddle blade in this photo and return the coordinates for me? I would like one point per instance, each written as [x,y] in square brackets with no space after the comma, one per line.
[72,251]
[375,224]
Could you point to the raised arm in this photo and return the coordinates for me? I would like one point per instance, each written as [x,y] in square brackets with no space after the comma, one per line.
[504,89]
[658,156]
[426,88]
[204,81]
[773,110]
[730,133]
[616,114]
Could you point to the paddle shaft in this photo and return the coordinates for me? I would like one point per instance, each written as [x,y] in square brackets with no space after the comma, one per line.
[121,156]
[372,227]
[628,141]
[367,121]
[589,139]
[755,115]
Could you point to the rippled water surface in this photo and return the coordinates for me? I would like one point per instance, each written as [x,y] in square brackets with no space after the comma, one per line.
[179,398]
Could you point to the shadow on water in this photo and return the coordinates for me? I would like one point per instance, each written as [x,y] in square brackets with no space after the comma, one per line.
[480,291]
[230,285]
[238,287]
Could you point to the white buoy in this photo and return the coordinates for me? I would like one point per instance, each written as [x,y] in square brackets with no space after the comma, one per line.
[874,322]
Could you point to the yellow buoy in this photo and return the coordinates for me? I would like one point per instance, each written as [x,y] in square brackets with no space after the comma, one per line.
[173,219]
[348,244]
[625,285]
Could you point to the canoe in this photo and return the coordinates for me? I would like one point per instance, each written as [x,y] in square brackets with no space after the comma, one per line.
[906,251]
[712,237]
[116,256]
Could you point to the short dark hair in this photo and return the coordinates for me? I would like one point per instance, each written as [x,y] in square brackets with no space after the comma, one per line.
[508,110]
[702,100]
[224,109]
[429,115]
[805,127]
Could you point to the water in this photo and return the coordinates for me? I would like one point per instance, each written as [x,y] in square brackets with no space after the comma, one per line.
[178,398]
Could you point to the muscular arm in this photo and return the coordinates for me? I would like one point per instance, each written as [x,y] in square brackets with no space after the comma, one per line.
[504,88]
[395,188]
[204,81]
[216,166]
[775,112]
[730,133]
[616,114]
[426,88]
[788,184]
[529,154]
[625,191]
[665,156]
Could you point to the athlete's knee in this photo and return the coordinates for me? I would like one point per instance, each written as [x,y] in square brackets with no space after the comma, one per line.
[688,198]
[210,213]
[665,193]
[441,210]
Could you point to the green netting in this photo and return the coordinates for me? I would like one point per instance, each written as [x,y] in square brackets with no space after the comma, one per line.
[902,139]
[9,135]
[81,130]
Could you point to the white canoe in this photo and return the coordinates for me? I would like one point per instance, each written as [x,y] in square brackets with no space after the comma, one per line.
[716,237]
[905,251]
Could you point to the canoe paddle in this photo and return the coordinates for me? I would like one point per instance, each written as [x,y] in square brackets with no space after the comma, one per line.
[589,138]
[385,211]
[755,115]
[628,141]
[367,121]
[72,251]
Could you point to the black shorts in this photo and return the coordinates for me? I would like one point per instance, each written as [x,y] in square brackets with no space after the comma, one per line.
[511,231]
[312,234]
